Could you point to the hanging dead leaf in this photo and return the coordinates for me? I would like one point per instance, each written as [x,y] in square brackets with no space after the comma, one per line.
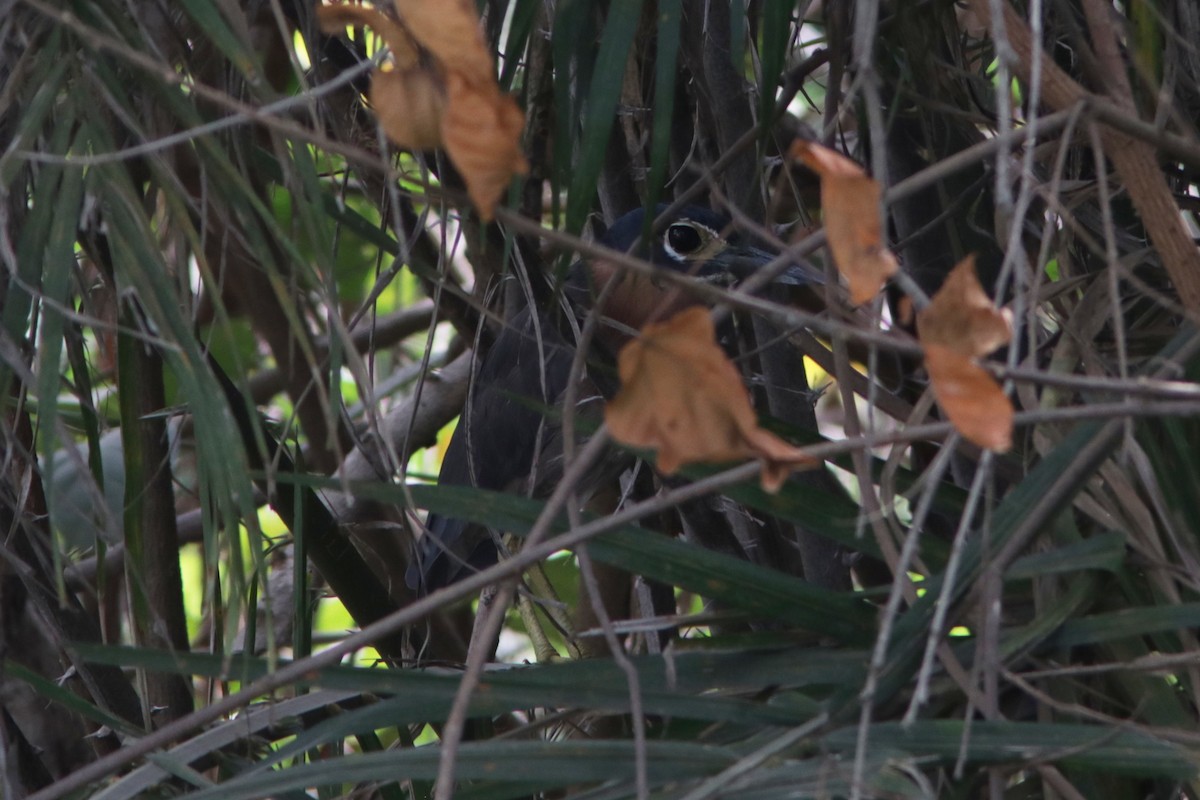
[962,317]
[449,30]
[974,403]
[682,397]
[334,19]
[481,130]
[409,104]
[450,99]
[959,325]
[849,204]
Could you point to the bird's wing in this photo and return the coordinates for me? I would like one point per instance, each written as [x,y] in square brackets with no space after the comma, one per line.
[497,441]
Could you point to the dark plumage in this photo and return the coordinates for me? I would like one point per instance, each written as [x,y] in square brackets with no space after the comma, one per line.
[496,445]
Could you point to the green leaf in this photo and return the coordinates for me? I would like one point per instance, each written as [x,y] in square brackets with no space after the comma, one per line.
[666,67]
[208,17]
[546,765]
[775,35]
[64,697]
[1105,551]
[608,75]
[57,268]
[738,583]
[523,15]
[1095,747]
[1130,622]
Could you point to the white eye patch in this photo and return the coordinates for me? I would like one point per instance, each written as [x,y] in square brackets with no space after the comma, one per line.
[686,241]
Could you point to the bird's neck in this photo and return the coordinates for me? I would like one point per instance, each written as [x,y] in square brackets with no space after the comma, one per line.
[633,299]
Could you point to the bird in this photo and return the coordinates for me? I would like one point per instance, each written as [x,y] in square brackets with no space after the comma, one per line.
[504,441]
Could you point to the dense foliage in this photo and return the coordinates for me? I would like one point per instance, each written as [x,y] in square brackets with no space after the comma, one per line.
[236,321]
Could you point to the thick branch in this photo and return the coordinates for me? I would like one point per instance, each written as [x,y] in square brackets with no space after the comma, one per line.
[1134,159]
[151,540]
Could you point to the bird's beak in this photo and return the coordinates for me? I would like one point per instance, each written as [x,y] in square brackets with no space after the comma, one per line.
[737,262]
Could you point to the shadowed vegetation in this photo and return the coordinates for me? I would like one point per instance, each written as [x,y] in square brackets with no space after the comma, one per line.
[237,322]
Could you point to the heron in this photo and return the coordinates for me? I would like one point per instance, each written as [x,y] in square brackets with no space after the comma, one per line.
[504,441]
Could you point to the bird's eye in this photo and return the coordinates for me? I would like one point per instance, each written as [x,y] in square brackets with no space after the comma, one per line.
[683,239]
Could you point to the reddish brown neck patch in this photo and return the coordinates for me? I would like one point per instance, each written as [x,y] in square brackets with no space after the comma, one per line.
[636,299]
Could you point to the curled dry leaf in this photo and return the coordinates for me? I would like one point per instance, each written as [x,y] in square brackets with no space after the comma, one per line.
[449,30]
[960,325]
[409,104]
[451,99]
[850,203]
[973,401]
[481,130]
[682,397]
[334,19]
[962,317]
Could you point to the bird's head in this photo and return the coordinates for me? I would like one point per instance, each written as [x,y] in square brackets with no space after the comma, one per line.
[696,241]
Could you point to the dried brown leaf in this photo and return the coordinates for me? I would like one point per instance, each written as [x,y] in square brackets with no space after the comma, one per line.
[449,30]
[481,131]
[973,401]
[409,104]
[682,397]
[962,317]
[850,203]
[450,100]
[959,325]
